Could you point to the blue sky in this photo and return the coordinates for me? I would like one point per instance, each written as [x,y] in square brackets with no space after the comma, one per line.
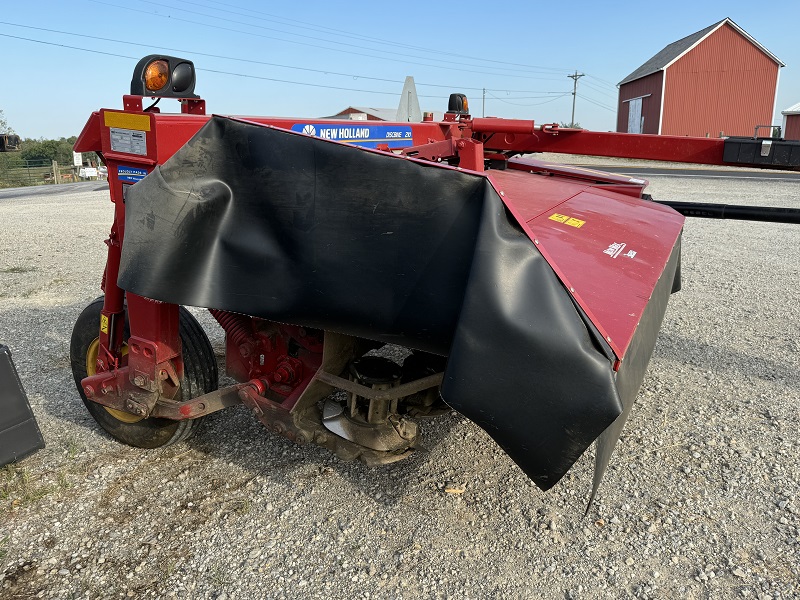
[312,58]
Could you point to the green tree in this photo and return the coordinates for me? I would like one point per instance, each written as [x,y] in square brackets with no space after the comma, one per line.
[4,126]
[40,150]
[48,150]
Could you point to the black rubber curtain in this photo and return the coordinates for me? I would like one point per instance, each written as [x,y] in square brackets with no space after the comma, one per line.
[296,229]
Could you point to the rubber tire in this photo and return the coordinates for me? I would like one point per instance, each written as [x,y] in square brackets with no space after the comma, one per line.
[200,376]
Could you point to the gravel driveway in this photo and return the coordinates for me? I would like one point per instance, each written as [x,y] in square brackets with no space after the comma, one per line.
[702,499]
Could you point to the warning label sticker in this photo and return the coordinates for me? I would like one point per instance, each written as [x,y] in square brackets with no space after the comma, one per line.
[130,174]
[567,220]
[129,141]
[358,134]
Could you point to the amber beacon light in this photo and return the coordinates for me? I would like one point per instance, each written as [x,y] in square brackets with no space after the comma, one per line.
[163,77]
[156,76]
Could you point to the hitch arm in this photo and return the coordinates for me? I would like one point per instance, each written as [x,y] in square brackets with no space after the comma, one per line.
[770,214]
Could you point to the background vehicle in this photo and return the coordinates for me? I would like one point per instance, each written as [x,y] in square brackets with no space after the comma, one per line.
[9,142]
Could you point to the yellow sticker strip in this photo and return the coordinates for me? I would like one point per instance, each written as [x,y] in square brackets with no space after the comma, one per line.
[127,121]
[104,324]
[567,220]
[573,222]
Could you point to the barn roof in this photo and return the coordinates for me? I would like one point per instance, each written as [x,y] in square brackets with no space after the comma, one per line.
[381,114]
[792,110]
[669,54]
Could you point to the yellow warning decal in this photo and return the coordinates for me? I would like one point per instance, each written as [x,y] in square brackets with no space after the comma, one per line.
[127,121]
[567,220]
[573,222]
[104,324]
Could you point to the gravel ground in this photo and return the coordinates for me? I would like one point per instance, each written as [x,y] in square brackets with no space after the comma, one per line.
[702,499]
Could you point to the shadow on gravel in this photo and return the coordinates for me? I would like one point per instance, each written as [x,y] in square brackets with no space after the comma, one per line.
[234,436]
[721,360]
[39,339]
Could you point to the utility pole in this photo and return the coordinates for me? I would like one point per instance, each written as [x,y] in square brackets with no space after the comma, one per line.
[574,78]
[483,108]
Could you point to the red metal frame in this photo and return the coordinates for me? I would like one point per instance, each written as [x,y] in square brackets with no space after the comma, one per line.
[257,350]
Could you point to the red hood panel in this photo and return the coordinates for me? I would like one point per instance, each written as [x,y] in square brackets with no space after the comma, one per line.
[609,249]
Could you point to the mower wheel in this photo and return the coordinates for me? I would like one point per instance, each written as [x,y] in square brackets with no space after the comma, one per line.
[199,377]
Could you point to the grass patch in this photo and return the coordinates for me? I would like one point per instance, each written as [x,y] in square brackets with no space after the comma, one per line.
[19,488]
[73,448]
[3,548]
[238,506]
[63,481]
[219,577]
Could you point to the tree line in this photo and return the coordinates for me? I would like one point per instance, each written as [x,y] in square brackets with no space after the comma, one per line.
[42,150]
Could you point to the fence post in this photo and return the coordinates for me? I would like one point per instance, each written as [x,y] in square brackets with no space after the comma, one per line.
[56,174]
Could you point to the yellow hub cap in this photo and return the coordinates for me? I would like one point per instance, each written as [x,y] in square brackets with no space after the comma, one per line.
[91,369]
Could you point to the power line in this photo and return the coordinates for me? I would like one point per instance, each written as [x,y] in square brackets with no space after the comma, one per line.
[539,97]
[259,62]
[16,37]
[531,103]
[603,81]
[464,66]
[216,71]
[599,90]
[249,76]
[599,104]
[314,27]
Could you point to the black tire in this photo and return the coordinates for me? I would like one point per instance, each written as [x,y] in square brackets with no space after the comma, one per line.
[199,377]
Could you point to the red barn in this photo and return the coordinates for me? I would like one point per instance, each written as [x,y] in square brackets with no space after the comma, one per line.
[791,122]
[718,81]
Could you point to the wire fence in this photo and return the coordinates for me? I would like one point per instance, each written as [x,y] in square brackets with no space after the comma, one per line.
[16,172]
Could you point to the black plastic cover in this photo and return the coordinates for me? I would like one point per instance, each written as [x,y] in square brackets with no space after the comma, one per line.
[19,433]
[632,371]
[270,223]
[761,151]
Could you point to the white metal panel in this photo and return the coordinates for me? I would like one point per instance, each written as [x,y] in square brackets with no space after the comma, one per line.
[635,116]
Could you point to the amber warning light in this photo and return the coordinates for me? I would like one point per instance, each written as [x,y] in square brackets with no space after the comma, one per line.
[458,104]
[163,77]
[157,75]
